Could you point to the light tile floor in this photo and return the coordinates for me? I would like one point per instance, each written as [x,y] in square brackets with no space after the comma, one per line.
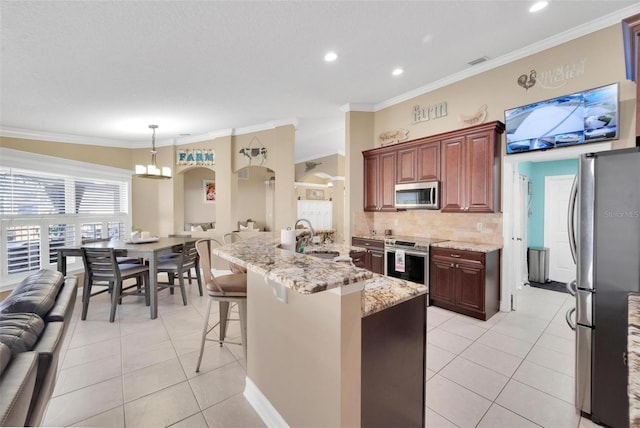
[515,370]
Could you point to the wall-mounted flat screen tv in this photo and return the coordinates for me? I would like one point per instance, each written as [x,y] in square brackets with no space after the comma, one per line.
[584,117]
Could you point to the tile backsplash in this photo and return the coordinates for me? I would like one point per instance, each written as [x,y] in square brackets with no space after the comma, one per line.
[434,224]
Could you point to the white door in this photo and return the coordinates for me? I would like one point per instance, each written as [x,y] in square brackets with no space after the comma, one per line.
[556,203]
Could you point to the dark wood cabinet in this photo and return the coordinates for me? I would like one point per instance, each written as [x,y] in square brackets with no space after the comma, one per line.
[470,163]
[428,165]
[418,162]
[374,259]
[407,171]
[380,181]
[359,259]
[467,282]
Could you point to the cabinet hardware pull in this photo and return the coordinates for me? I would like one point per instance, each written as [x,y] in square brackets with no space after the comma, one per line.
[456,255]
[452,265]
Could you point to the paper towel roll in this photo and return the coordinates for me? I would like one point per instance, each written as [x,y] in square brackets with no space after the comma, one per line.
[288,239]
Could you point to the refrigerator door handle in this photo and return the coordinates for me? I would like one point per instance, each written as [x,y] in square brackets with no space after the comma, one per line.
[568,317]
[572,286]
[570,219]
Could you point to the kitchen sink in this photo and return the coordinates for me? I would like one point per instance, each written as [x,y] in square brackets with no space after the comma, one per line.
[329,256]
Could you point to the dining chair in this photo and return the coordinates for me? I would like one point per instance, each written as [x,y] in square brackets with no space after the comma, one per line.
[121,259]
[224,289]
[178,265]
[230,238]
[102,268]
[176,254]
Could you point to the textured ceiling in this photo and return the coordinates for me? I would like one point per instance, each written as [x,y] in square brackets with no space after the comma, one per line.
[104,70]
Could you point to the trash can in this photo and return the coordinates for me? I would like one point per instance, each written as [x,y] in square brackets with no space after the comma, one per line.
[539,264]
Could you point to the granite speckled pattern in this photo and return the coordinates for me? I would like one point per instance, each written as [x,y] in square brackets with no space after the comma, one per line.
[633,361]
[382,292]
[467,246]
[342,250]
[307,274]
[301,273]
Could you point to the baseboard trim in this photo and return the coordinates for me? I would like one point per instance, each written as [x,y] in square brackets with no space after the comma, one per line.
[262,405]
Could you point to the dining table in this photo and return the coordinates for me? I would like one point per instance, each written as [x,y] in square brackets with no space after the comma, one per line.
[148,249]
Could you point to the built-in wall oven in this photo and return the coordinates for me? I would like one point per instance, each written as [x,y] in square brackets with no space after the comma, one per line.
[408,258]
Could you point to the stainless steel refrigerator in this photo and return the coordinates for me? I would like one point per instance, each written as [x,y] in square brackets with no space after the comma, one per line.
[606,243]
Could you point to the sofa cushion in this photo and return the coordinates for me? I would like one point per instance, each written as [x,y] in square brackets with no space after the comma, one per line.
[5,356]
[20,332]
[35,294]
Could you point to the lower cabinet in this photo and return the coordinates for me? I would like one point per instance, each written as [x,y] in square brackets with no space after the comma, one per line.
[467,282]
[359,259]
[374,259]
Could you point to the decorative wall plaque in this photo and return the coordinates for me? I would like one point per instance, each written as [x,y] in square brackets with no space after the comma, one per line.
[425,113]
[196,157]
[392,137]
[478,117]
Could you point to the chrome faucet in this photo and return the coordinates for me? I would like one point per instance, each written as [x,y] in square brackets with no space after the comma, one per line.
[313,233]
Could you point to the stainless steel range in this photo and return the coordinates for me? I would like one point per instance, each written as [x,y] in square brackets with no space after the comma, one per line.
[407,257]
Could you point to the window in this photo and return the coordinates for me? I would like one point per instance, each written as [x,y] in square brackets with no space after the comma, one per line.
[43,211]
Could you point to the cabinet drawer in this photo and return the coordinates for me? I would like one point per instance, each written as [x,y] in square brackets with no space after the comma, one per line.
[368,243]
[449,253]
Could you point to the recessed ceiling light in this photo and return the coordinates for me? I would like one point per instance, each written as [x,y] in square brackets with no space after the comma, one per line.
[538,6]
[397,72]
[331,56]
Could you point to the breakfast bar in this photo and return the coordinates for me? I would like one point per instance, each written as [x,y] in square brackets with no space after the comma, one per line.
[328,343]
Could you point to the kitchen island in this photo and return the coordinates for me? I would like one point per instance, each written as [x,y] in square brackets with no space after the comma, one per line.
[330,344]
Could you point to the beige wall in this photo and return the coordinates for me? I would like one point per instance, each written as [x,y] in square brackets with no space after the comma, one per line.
[252,196]
[603,58]
[108,156]
[199,211]
[359,128]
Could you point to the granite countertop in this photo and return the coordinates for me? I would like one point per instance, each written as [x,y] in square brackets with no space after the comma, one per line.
[382,292]
[342,250]
[375,237]
[306,274]
[467,246]
[301,273]
[633,359]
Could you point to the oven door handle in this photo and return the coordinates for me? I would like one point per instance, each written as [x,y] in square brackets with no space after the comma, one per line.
[409,252]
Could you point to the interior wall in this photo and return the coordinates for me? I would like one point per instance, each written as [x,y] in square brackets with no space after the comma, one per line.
[252,196]
[537,171]
[198,210]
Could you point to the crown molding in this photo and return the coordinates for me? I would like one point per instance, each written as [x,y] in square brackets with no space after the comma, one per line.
[567,36]
[62,138]
[368,108]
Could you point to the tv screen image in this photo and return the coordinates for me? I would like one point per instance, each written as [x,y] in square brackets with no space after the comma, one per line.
[583,117]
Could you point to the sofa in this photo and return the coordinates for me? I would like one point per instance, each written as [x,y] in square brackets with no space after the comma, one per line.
[34,320]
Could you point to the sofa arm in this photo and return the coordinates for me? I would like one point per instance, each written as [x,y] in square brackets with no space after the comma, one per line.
[17,384]
[65,302]
[48,351]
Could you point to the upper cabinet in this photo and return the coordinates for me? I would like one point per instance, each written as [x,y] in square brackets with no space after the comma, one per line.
[470,163]
[379,180]
[467,162]
[418,161]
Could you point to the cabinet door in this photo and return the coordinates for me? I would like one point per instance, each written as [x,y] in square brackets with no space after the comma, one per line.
[428,164]
[406,165]
[371,182]
[377,261]
[453,175]
[441,281]
[469,287]
[479,154]
[387,182]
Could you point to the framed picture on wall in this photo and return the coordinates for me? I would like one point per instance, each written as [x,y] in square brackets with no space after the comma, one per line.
[316,194]
[209,191]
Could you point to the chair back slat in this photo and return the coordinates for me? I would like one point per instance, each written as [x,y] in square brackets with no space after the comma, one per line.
[189,254]
[101,263]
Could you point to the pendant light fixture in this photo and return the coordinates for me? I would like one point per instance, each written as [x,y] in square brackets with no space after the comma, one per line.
[152,170]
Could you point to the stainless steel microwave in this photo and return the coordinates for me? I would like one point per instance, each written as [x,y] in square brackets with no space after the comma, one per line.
[418,195]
